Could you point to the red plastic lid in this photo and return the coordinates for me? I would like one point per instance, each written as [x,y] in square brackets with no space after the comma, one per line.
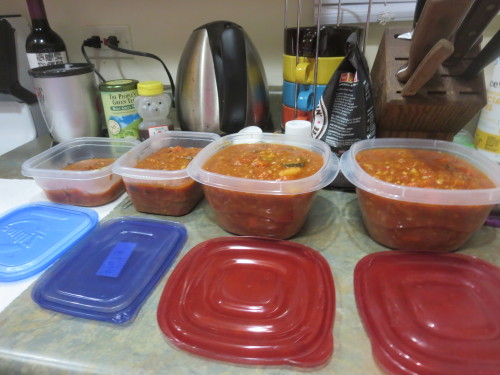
[430,313]
[252,301]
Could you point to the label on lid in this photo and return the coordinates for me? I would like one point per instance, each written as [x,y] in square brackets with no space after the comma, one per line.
[116,260]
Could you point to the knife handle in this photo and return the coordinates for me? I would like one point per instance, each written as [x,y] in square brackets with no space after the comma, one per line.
[471,30]
[489,53]
[428,67]
[438,21]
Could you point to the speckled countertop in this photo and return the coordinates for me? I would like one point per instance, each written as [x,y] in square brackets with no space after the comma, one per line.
[38,341]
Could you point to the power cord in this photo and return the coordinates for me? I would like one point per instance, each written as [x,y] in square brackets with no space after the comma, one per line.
[112,42]
[94,42]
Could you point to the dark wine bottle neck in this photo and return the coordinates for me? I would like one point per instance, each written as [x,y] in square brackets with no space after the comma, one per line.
[36,9]
[40,24]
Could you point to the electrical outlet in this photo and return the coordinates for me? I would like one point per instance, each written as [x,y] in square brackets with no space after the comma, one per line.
[122,32]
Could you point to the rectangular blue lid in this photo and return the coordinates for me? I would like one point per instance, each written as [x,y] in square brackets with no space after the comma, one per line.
[34,235]
[109,274]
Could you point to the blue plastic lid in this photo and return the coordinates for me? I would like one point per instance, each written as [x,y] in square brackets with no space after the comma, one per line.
[109,274]
[34,235]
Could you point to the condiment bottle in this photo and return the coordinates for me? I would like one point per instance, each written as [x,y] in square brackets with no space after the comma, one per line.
[487,137]
[153,105]
[43,45]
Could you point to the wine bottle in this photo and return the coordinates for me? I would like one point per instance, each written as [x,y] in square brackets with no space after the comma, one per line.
[43,45]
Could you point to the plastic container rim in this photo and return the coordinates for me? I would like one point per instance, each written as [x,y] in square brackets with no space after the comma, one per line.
[325,175]
[61,70]
[123,167]
[30,167]
[362,180]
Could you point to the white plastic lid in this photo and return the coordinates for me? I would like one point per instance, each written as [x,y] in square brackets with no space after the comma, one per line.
[251,129]
[362,180]
[298,127]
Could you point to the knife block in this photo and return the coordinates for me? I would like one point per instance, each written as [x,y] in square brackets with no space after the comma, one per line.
[439,110]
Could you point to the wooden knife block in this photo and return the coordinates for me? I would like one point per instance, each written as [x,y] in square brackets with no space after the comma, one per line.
[439,110]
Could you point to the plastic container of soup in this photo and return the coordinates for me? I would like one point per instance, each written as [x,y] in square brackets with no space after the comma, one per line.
[94,184]
[423,218]
[269,208]
[158,191]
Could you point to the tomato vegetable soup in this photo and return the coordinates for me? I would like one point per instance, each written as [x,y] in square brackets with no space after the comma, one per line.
[422,168]
[169,158]
[173,197]
[265,161]
[246,213]
[403,224]
[82,197]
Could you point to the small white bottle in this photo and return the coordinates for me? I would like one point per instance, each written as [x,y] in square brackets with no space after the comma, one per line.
[487,137]
[153,105]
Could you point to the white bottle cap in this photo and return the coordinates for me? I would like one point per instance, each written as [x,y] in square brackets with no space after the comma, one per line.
[251,130]
[298,127]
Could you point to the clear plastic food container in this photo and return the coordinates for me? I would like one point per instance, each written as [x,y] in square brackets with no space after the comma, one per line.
[261,207]
[90,188]
[416,218]
[162,192]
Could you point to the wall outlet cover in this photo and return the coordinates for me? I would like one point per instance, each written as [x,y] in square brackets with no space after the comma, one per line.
[122,32]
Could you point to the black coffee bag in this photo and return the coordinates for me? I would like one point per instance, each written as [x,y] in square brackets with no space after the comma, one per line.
[345,112]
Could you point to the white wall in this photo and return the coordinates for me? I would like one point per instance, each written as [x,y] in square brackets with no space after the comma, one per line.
[162,27]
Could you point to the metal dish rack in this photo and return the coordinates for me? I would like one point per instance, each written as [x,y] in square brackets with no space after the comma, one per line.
[319,4]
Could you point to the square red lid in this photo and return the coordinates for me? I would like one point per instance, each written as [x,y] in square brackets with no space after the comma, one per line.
[252,301]
[430,313]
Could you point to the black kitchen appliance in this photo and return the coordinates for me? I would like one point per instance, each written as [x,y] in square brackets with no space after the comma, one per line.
[19,110]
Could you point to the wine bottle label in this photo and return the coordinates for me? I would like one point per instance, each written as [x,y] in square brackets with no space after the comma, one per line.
[48,58]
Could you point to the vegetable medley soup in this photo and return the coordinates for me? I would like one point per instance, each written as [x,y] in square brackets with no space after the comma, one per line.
[408,225]
[173,197]
[169,158]
[265,161]
[422,168]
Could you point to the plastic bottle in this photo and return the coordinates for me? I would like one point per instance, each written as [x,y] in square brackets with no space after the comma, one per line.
[43,45]
[153,105]
[487,137]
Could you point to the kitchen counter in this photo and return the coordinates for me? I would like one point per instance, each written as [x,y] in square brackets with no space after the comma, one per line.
[38,341]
